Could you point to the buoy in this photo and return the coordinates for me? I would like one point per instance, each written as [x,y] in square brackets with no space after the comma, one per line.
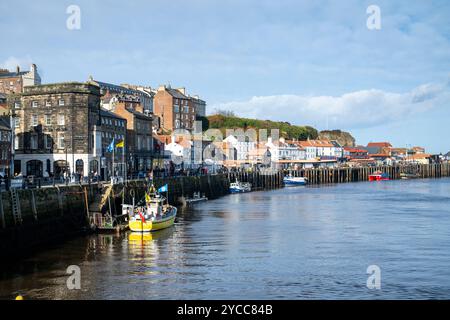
[19,298]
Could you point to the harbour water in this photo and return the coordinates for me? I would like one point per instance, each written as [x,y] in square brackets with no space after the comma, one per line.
[293,243]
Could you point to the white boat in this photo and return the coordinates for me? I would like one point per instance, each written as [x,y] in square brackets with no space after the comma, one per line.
[197,197]
[240,187]
[295,181]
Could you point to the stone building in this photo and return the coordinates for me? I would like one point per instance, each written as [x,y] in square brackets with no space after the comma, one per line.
[5,145]
[56,128]
[113,128]
[174,108]
[14,82]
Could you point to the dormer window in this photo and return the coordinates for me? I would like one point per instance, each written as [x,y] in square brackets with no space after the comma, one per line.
[61,102]
[34,104]
[48,103]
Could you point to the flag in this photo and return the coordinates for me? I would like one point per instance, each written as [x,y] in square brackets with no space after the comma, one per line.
[142,216]
[164,188]
[111,146]
[121,144]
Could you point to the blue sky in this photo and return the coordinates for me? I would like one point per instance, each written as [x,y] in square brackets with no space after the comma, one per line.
[306,62]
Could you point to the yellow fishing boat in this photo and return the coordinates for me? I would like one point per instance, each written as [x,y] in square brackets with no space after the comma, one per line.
[155,215]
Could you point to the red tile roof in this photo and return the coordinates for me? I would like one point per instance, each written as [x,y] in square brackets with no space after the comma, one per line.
[315,143]
[379,145]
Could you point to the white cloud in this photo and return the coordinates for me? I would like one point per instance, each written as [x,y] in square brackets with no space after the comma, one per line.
[365,108]
[12,62]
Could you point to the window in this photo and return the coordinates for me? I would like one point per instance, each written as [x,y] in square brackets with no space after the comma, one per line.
[34,120]
[61,142]
[48,120]
[47,141]
[48,103]
[16,142]
[16,123]
[17,105]
[34,104]
[61,120]
[61,102]
[34,142]
[176,109]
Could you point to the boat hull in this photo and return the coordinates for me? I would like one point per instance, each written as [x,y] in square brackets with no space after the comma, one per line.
[237,190]
[378,178]
[295,182]
[153,225]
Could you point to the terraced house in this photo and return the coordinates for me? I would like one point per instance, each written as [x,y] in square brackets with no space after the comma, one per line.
[134,104]
[14,81]
[175,108]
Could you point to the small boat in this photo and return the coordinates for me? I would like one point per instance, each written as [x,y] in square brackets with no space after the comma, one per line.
[295,181]
[379,176]
[240,187]
[409,176]
[197,197]
[155,215]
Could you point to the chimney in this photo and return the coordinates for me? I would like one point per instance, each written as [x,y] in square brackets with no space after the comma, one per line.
[162,88]
[33,68]
[18,69]
[182,90]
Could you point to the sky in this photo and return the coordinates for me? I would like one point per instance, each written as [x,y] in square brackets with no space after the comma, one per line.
[306,62]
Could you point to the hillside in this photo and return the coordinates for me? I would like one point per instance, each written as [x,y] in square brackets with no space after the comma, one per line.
[287,130]
[344,138]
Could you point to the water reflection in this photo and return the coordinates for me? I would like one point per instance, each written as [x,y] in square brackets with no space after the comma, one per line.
[290,243]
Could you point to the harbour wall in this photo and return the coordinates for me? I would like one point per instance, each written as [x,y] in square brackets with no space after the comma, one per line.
[357,174]
[49,214]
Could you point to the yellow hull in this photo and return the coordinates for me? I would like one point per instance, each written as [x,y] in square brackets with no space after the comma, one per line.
[149,226]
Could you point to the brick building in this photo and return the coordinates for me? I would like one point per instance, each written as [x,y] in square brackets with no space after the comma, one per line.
[174,108]
[199,106]
[14,82]
[56,128]
[139,137]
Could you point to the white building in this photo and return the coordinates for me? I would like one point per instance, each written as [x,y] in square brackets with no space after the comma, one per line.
[285,150]
[320,149]
[242,147]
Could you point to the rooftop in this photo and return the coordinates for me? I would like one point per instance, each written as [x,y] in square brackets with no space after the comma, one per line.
[379,145]
[106,113]
[316,143]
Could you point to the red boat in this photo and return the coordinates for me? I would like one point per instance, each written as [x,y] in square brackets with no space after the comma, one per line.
[379,176]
